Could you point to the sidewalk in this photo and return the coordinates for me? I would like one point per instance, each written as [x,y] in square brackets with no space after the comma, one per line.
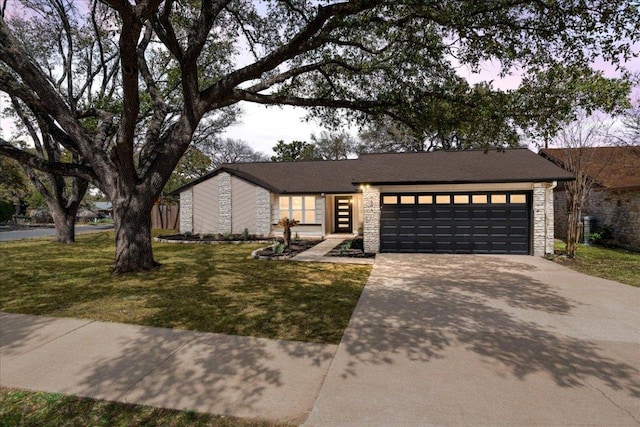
[318,252]
[229,375]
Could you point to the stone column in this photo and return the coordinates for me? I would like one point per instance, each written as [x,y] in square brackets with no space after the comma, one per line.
[371,207]
[224,203]
[186,211]
[542,219]
[263,212]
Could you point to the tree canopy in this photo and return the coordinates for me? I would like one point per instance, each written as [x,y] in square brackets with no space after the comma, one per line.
[171,67]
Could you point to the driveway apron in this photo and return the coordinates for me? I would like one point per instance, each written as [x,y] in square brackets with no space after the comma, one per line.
[485,340]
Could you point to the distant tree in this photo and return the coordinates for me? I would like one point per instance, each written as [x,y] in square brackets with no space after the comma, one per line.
[230,150]
[576,140]
[333,146]
[630,134]
[193,165]
[14,184]
[294,151]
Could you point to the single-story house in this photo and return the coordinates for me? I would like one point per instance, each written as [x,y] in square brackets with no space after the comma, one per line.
[615,198]
[432,202]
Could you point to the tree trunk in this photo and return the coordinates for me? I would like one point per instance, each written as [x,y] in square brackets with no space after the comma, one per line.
[65,223]
[287,237]
[132,219]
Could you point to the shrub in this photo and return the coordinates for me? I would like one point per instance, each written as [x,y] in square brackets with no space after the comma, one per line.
[6,210]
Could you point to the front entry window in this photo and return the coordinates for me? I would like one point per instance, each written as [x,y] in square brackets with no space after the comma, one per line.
[300,208]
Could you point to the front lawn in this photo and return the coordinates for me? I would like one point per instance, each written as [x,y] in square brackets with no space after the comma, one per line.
[27,408]
[609,263]
[209,288]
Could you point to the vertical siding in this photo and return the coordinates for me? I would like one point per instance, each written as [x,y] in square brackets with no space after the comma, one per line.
[243,206]
[205,206]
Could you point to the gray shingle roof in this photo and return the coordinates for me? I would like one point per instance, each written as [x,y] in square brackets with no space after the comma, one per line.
[343,176]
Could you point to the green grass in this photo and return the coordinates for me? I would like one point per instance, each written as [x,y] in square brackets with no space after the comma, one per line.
[209,288]
[609,263]
[25,408]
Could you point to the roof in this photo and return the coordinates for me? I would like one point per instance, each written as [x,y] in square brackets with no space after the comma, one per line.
[103,206]
[610,167]
[439,167]
[467,166]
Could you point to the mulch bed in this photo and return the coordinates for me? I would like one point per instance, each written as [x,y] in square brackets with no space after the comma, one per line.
[212,238]
[352,248]
[296,247]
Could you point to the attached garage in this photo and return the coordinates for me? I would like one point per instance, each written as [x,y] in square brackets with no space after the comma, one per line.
[470,222]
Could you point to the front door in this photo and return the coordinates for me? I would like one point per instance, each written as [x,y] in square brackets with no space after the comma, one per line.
[343,214]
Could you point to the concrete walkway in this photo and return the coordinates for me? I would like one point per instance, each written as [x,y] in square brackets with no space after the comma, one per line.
[454,340]
[221,374]
[318,252]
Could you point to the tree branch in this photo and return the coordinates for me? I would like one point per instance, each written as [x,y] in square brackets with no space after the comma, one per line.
[59,168]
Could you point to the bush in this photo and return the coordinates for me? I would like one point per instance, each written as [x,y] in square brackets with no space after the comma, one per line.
[40,216]
[6,210]
[604,236]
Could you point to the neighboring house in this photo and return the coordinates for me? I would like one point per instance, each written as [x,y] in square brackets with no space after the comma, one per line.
[104,209]
[439,202]
[615,198]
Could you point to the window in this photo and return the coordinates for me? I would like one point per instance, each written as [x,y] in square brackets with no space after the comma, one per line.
[389,200]
[408,200]
[443,199]
[498,198]
[300,208]
[425,200]
[480,199]
[518,198]
[461,199]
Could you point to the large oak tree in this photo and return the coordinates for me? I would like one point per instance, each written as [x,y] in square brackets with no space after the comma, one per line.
[181,62]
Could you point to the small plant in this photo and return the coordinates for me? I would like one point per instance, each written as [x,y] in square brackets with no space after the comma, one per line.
[279,248]
[345,248]
[188,234]
[287,224]
[604,236]
[361,230]
[296,238]
[245,234]
[227,236]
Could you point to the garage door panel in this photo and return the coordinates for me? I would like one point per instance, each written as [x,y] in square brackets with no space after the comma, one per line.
[456,227]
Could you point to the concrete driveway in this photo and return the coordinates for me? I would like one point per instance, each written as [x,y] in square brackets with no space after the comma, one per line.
[485,340]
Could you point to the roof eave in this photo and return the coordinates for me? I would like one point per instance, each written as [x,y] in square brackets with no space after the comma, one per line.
[488,181]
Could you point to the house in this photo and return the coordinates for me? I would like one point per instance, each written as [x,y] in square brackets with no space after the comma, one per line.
[439,202]
[615,198]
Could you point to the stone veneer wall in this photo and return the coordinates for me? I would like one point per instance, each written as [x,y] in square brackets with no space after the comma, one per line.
[371,203]
[619,209]
[224,202]
[263,212]
[186,211]
[543,227]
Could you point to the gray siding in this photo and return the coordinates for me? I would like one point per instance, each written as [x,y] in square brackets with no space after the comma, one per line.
[205,207]
[243,206]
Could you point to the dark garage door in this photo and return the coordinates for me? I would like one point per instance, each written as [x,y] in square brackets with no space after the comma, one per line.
[491,223]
